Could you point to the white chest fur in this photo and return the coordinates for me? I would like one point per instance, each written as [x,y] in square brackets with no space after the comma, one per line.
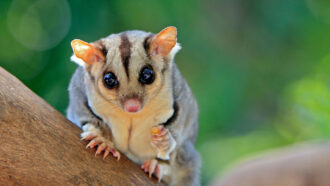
[132,132]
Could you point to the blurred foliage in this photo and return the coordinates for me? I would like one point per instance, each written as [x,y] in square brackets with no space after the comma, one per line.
[259,69]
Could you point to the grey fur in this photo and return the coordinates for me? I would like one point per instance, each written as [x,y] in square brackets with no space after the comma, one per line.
[184,129]
[184,160]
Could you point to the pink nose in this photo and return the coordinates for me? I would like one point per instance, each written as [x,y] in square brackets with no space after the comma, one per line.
[132,105]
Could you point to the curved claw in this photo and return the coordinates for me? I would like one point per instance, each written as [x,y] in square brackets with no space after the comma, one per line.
[152,167]
[159,173]
[106,152]
[115,154]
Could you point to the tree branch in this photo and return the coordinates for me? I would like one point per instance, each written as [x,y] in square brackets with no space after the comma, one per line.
[39,146]
[300,165]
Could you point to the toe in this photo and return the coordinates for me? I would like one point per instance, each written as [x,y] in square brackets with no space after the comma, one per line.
[145,165]
[95,141]
[101,148]
[106,152]
[163,132]
[159,173]
[160,127]
[152,167]
[115,153]
[118,156]
[161,136]
[91,144]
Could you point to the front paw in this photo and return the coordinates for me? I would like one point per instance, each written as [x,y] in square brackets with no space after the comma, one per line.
[162,139]
[153,168]
[96,139]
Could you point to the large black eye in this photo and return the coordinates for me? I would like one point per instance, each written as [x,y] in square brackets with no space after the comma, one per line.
[110,80]
[147,75]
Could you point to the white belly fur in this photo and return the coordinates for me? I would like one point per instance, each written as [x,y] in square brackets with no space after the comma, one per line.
[132,132]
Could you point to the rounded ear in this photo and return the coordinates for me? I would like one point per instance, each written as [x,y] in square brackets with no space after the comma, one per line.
[86,52]
[164,41]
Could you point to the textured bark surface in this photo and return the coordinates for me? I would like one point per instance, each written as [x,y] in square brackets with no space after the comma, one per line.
[303,165]
[39,146]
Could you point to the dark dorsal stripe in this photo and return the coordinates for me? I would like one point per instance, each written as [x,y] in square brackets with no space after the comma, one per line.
[174,115]
[146,44]
[125,52]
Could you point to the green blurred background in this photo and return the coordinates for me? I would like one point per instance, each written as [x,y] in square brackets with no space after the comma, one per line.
[260,70]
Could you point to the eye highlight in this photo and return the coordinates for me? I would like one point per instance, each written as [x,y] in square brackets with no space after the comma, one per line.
[110,80]
[147,75]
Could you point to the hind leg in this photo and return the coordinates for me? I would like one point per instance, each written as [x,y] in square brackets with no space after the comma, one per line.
[186,166]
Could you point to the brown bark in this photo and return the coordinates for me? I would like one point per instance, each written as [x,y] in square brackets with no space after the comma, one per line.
[303,165]
[39,146]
